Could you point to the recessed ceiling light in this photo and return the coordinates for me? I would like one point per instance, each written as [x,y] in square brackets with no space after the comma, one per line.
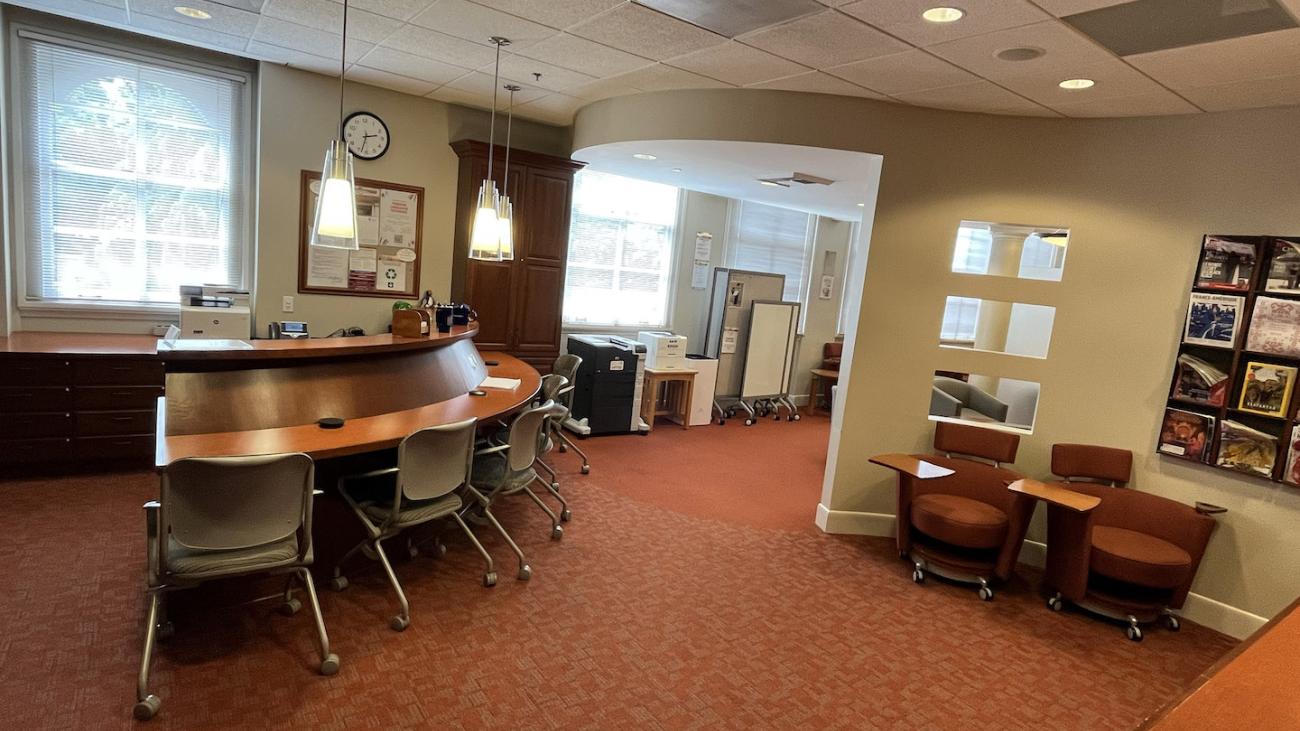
[644,156]
[194,13]
[862,205]
[769,184]
[1077,84]
[1021,53]
[943,15]
[677,170]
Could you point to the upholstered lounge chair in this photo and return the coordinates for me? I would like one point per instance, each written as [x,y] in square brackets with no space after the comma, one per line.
[1131,558]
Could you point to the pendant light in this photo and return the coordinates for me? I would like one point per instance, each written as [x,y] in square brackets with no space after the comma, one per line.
[335,224]
[485,235]
[506,209]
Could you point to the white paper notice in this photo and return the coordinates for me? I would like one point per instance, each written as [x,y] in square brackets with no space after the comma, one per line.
[367,230]
[729,337]
[700,275]
[397,219]
[391,276]
[703,255]
[327,267]
[363,260]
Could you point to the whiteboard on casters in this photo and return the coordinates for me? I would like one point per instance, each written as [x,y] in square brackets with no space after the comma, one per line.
[772,330]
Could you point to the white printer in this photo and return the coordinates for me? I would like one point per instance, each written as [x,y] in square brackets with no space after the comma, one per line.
[663,350]
[215,312]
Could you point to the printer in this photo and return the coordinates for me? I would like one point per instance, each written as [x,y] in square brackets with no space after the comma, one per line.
[607,387]
[663,350]
[217,312]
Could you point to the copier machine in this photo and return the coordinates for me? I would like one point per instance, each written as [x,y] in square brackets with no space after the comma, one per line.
[607,391]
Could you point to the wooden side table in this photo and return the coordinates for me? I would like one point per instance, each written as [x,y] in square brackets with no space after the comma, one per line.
[678,386]
[822,379]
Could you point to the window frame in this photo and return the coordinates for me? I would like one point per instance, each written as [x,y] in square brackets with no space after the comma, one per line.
[117,47]
[734,207]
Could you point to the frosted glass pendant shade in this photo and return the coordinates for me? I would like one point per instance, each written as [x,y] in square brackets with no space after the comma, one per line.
[506,226]
[485,237]
[335,225]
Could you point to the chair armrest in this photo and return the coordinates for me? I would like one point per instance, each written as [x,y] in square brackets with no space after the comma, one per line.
[943,403]
[1209,508]
[491,450]
[909,465]
[988,404]
[1055,495]
[152,505]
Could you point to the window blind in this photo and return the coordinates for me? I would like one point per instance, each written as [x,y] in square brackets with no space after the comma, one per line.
[133,176]
[960,316]
[620,251]
[775,240]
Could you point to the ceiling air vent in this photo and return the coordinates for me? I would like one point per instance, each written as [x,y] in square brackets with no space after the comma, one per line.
[732,18]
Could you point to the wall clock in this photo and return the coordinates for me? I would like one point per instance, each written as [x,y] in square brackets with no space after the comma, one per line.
[366,135]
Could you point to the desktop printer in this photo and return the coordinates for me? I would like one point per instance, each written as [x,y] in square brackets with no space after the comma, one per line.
[215,312]
[607,388]
[663,350]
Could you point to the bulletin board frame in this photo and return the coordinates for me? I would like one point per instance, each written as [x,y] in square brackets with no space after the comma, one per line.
[353,287]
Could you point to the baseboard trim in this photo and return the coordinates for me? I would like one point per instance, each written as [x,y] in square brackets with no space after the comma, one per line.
[1207,612]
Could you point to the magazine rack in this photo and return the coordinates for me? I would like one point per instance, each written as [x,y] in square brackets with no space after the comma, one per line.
[1222,278]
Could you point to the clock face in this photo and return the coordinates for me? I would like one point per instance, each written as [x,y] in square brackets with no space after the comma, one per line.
[366,135]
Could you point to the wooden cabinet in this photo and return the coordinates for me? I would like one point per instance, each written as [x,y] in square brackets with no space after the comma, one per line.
[519,302]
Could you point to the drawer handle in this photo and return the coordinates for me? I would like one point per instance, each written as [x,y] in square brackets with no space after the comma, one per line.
[121,394]
[121,418]
[122,443]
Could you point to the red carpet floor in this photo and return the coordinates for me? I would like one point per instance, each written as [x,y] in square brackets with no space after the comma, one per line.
[690,591]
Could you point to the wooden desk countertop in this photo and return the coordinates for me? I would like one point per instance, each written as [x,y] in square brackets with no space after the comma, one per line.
[357,435]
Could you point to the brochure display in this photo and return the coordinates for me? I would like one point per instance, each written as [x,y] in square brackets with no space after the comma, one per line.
[1232,401]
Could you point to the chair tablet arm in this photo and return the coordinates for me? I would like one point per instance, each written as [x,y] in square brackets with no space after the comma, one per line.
[1054,495]
[909,465]
[1209,508]
[491,450]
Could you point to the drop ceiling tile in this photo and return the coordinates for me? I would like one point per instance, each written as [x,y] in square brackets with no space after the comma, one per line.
[736,63]
[293,58]
[815,82]
[1067,51]
[1223,62]
[1062,8]
[308,40]
[477,82]
[902,18]
[185,33]
[461,97]
[436,73]
[327,15]
[554,78]
[553,108]
[1113,78]
[662,78]
[1272,92]
[978,96]
[828,38]
[225,19]
[646,33]
[555,13]
[835,3]
[396,9]
[396,82]
[477,23]
[1150,104]
[907,71]
[440,46]
[580,54]
[603,89]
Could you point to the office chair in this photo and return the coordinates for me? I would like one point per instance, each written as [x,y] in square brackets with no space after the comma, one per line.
[553,384]
[228,516]
[1132,557]
[433,467]
[567,365]
[508,468]
[955,516]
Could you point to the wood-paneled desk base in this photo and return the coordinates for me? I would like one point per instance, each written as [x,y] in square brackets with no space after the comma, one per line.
[366,434]
[679,385]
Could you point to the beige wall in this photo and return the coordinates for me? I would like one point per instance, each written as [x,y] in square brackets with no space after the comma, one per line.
[1137,195]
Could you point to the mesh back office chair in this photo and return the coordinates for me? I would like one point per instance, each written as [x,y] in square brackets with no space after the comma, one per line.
[567,365]
[553,384]
[508,468]
[433,464]
[222,517]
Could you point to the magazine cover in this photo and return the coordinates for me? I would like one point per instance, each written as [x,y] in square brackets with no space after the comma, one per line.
[1266,389]
[1186,434]
[1212,319]
[1226,264]
[1284,267]
[1292,474]
[1275,327]
[1246,449]
[1199,381]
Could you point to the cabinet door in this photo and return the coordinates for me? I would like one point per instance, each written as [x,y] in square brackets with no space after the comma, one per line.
[545,228]
[538,326]
[488,291]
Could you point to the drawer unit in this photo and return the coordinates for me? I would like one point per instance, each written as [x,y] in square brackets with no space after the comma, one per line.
[97,449]
[117,372]
[35,398]
[46,424]
[20,371]
[115,398]
[111,423]
[36,451]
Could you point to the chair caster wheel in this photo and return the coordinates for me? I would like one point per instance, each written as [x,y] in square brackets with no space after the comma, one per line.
[339,583]
[749,422]
[1055,604]
[566,515]
[291,607]
[399,623]
[722,422]
[525,573]
[413,551]
[166,631]
[1134,633]
[776,417]
[1172,623]
[563,449]
[146,709]
[918,576]
[796,417]
[586,469]
[557,532]
[555,486]
[490,579]
[329,665]
[986,593]
[439,550]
